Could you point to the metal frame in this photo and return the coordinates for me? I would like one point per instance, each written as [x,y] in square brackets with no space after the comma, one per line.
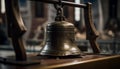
[16,27]
[91,31]
[63,2]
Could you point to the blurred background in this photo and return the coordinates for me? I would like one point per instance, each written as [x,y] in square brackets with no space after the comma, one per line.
[36,15]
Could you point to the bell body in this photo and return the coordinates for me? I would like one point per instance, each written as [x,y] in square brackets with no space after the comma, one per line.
[60,40]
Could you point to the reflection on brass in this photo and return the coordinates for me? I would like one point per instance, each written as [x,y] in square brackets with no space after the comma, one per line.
[16,28]
[60,37]
[60,40]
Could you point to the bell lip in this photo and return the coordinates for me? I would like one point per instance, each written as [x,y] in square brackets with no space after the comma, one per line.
[60,54]
[60,57]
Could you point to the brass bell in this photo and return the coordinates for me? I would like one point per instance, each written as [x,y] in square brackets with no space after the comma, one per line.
[60,38]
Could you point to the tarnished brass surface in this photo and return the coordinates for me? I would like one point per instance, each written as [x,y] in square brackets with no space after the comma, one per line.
[60,36]
[60,40]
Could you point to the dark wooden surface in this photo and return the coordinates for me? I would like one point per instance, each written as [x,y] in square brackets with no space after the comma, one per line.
[84,62]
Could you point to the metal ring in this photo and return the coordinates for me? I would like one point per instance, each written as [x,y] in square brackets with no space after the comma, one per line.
[58,5]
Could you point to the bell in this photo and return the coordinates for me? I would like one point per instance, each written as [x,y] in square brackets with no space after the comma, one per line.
[60,38]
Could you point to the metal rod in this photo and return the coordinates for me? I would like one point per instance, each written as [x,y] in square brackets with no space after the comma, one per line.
[63,2]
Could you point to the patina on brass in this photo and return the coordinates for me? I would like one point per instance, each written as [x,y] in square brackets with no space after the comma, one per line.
[60,38]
